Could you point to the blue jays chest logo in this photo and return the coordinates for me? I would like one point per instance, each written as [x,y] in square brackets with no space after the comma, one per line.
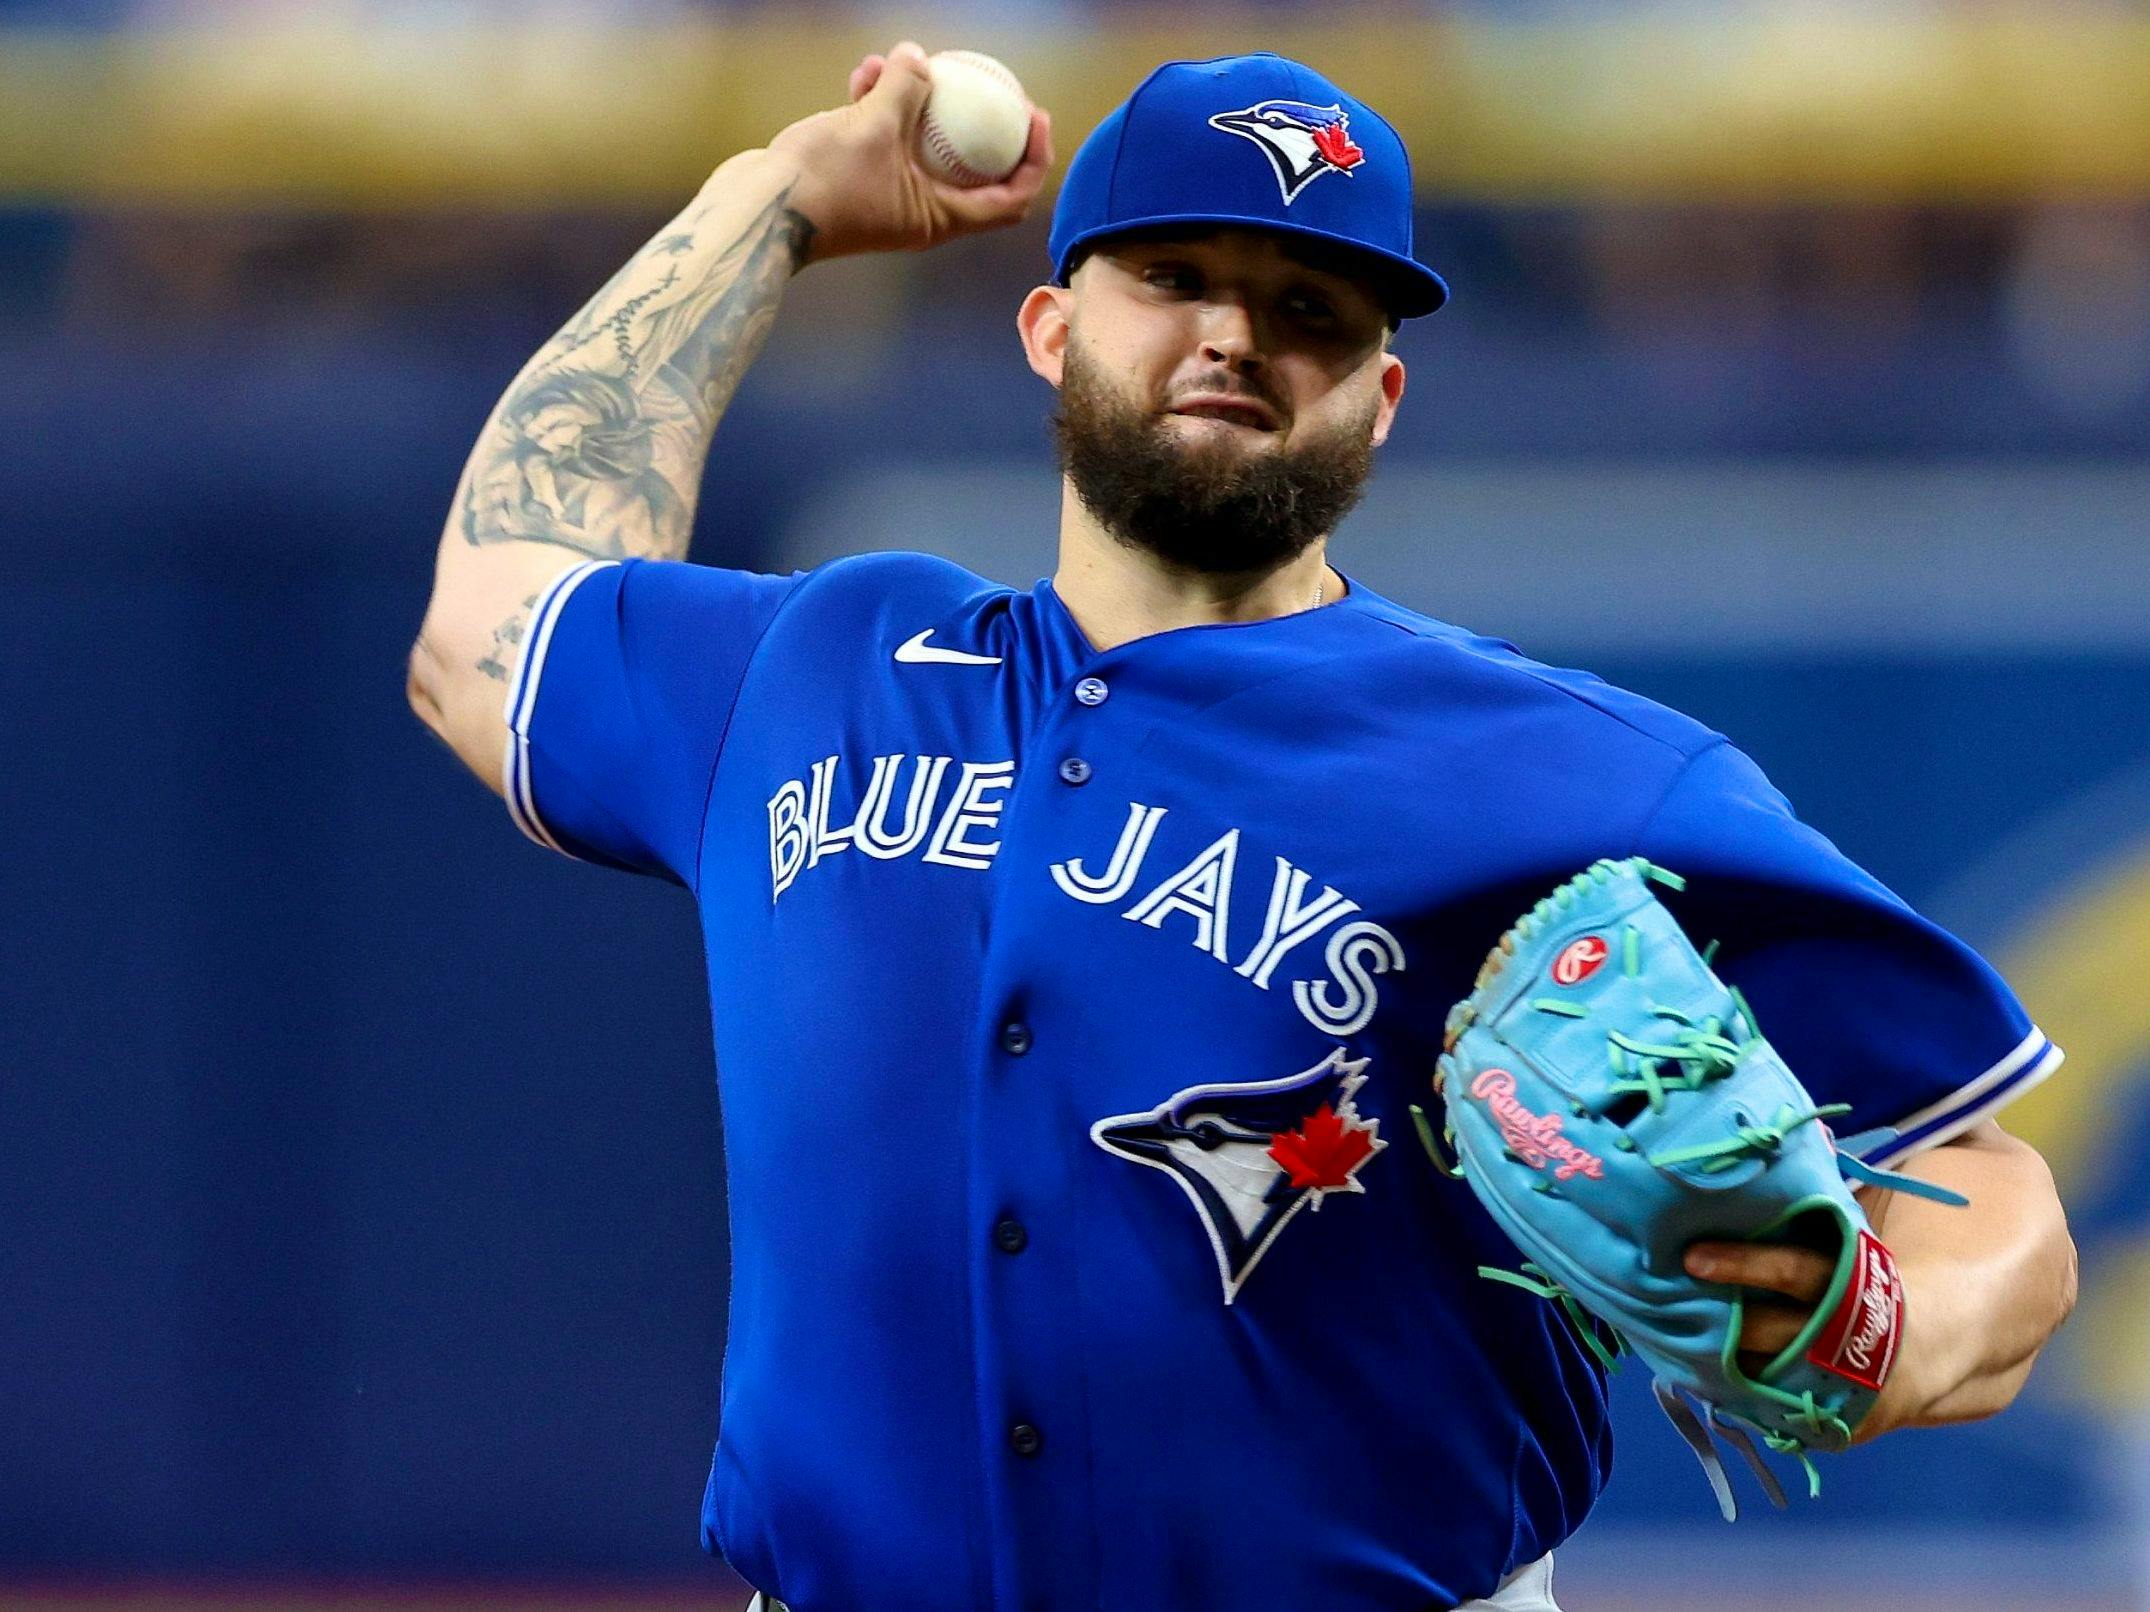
[1302,141]
[1251,1156]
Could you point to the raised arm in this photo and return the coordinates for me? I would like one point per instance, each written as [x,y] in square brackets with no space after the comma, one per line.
[597,448]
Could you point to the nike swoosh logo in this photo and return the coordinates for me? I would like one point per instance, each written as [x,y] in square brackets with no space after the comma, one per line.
[917,652]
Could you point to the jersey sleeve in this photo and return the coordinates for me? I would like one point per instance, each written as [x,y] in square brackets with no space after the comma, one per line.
[1869,1003]
[618,709]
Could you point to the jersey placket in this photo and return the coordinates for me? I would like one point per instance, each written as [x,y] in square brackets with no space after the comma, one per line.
[1027,1150]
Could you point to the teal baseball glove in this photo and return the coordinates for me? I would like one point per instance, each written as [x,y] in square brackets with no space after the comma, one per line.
[1611,1101]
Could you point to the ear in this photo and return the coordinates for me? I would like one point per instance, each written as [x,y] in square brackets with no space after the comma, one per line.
[1392,378]
[1042,321]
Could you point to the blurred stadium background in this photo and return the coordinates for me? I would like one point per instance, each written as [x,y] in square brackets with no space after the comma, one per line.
[359,1171]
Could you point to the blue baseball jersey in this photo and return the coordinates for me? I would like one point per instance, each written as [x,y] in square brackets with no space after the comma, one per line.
[1068,1009]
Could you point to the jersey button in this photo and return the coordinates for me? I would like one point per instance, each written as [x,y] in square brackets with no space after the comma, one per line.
[1074,770]
[1015,1039]
[1025,1440]
[1010,1238]
[1092,691]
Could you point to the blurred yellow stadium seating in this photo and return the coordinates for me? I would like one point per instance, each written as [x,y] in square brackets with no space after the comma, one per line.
[1823,101]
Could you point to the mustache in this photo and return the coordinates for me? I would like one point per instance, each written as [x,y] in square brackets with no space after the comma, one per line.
[1224,386]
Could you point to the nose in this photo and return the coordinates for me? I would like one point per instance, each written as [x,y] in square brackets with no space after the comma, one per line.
[1229,336]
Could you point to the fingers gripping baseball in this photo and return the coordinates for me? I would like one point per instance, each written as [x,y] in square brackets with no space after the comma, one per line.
[862,183]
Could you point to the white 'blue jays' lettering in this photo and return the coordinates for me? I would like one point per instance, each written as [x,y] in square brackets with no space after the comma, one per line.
[1199,891]
[800,835]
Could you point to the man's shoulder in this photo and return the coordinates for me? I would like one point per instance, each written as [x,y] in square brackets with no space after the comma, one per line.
[1449,654]
[881,570]
[884,588]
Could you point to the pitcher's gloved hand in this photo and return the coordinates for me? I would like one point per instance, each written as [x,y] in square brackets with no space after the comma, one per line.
[1612,1104]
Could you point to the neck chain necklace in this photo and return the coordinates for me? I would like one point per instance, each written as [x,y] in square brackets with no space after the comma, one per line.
[1321,586]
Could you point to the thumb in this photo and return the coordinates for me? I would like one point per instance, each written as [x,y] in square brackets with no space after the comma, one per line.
[904,84]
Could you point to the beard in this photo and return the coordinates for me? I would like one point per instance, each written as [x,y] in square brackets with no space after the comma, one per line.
[1209,502]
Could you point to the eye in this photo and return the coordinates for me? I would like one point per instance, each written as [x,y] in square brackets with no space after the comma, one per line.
[1311,305]
[1166,273]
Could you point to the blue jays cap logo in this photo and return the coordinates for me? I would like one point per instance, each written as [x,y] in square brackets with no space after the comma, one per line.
[1301,140]
[1251,1156]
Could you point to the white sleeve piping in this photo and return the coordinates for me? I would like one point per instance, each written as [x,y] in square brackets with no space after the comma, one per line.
[2034,1058]
[522,701]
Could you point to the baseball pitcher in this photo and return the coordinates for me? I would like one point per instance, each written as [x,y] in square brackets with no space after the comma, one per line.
[1103,937]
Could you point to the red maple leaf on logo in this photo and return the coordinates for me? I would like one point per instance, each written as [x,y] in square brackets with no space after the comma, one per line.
[1324,1151]
[1335,145]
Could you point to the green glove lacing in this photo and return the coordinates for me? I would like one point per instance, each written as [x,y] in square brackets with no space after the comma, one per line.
[1534,1278]
[1823,1423]
[1449,1163]
[1698,1053]
[1748,1140]
[1595,874]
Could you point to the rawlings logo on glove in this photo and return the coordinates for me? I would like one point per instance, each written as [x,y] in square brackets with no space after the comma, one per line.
[1611,1101]
[1536,1139]
[1859,1340]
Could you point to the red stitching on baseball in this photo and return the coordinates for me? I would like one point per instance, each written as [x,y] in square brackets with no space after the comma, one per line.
[959,170]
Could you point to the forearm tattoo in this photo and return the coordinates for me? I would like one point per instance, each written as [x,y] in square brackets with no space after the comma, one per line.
[598,447]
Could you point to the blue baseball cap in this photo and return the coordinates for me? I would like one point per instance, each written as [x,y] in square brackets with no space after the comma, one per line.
[1257,141]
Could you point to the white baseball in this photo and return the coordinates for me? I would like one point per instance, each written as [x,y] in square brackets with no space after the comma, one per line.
[977,120]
